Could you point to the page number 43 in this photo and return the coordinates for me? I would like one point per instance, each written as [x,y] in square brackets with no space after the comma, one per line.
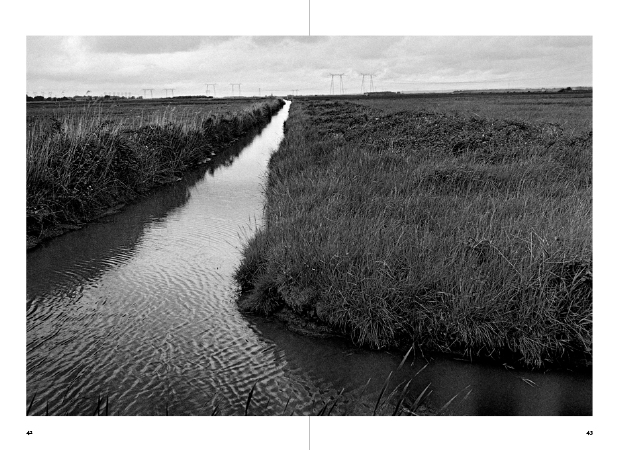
[589,433]
[29,432]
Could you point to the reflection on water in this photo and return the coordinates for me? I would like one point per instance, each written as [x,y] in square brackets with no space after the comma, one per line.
[483,389]
[140,309]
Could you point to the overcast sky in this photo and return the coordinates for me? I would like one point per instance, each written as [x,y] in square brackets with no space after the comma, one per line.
[279,65]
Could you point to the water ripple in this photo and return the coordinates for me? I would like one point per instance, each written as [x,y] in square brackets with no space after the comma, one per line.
[149,318]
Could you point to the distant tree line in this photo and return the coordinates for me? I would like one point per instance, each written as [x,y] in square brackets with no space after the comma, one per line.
[192,96]
[40,98]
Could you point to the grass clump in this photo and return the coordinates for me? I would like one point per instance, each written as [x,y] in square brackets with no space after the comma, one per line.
[457,233]
[82,161]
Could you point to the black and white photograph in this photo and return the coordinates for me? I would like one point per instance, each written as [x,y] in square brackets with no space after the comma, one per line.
[284,232]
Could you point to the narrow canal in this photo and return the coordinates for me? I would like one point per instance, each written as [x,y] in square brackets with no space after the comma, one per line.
[139,309]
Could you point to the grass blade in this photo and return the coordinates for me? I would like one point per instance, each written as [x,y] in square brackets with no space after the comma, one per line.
[360,398]
[335,402]
[401,399]
[323,409]
[382,391]
[446,405]
[419,371]
[98,406]
[405,356]
[251,392]
[365,386]
[215,410]
[31,402]
[285,407]
[418,400]
[467,395]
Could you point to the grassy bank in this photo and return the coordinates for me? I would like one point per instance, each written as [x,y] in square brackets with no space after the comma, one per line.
[456,233]
[82,161]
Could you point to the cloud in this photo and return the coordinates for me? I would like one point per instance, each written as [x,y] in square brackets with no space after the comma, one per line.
[149,44]
[282,63]
[269,41]
[141,44]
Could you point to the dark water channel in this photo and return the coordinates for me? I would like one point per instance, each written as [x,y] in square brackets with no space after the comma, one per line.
[139,308]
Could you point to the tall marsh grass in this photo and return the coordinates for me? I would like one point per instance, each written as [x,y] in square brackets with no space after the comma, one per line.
[454,233]
[82,161]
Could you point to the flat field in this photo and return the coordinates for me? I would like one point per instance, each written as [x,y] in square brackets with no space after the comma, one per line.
[130,110]
[571,111]
[455,227]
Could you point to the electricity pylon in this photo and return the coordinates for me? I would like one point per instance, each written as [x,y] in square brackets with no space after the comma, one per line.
[332,90]
[236,84]
[210,84]
[363,75]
